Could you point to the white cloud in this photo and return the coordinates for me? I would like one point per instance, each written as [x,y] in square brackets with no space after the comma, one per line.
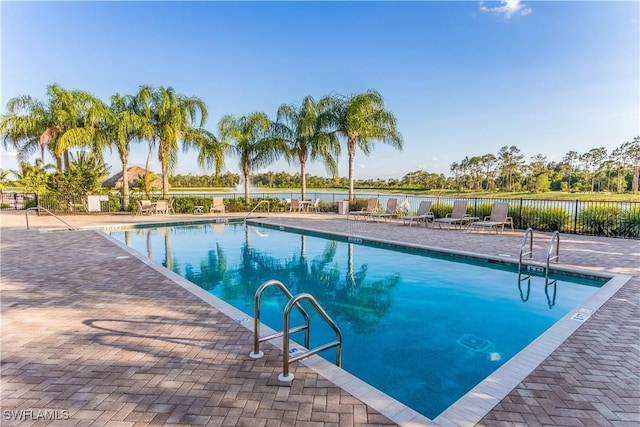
[507,8]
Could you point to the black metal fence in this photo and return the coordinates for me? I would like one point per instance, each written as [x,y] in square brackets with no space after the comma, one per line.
[597,218]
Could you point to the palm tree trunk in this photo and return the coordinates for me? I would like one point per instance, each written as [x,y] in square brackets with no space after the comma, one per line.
[65,156]
[147,190]
[125,184]
[246,186]
[164,164]
[303,179]
[165,180]
[351,145]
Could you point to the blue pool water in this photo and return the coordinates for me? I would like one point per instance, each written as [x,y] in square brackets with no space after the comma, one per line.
[423,328]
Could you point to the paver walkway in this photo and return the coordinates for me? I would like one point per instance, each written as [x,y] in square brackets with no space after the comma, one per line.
[91,338]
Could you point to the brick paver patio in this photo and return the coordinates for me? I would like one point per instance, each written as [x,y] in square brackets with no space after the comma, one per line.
[93,336]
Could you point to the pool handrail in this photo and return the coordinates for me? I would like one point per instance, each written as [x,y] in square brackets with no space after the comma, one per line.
[555,238]
[286,376]
[39,208]
[256,353]
[256,207]
[527,233]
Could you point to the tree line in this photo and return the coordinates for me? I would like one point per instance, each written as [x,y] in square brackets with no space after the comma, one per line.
[165,119]
[311,131]
[595,170]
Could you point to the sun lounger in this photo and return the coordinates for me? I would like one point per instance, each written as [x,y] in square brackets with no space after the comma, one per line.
[162,206]
[144,207]
[457,218]
[390,212]
[372,207]
[424,214]
[497,220]
[296,206]
[217,205]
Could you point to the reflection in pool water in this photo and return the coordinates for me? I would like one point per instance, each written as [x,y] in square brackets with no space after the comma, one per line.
[423,329]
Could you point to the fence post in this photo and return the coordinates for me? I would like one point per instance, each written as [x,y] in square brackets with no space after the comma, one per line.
[575,218]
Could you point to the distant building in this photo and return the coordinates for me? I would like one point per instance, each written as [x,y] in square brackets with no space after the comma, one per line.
[135,176]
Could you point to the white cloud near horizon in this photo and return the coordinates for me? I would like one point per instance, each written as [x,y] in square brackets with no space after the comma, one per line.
[507,8]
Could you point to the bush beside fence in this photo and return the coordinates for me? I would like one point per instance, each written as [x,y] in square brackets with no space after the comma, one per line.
[597,218]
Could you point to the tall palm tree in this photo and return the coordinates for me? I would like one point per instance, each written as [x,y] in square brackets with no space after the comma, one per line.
[30,124]
[362,120]
[253,142]
[122,126]
[174,118]
[303,129]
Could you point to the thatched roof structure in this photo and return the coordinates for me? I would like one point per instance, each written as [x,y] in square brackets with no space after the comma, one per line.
[135,176]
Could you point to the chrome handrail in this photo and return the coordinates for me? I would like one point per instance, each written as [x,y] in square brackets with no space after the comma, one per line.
[287,359]
[256,353]
[555,238]
[256,207]
[527,233]
[39,208]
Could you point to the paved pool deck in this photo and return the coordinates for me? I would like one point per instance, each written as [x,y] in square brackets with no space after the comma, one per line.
[93,334]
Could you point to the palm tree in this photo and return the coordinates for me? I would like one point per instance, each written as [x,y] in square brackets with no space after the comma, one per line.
[4,178]
[30,124]
[173,117]
[362,120]
[253,142]
[33,178]
[302,129]
[211,153]
[123,126]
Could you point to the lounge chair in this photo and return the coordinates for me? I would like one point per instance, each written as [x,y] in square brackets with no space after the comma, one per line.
[497,219]
[372,207]
[217,205]
[296,206]
[144,207]
[162,206]
[458,217]
[390,212]
[170,209]
[424,214]
[316,206]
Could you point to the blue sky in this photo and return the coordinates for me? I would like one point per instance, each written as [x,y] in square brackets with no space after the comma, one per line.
[463,78]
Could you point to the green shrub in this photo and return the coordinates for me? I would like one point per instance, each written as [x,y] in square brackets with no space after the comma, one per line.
[4,205]
[543,219]
[482,209]
[630,223]
[600,220]
[357,204]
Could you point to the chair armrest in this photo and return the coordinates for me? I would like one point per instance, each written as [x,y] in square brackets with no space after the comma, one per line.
[486,218]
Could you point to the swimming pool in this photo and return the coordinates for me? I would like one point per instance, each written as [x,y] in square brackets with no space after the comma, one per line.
[423,329]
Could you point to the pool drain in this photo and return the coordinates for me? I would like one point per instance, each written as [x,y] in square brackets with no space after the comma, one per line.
[474,343]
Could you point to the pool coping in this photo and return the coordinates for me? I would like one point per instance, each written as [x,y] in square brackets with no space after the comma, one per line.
[466,411]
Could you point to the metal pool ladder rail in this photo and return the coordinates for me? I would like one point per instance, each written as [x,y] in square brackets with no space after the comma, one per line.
[555,238]
[287,359]
[528,236]
[40,208]
[256,207]
[527,233]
